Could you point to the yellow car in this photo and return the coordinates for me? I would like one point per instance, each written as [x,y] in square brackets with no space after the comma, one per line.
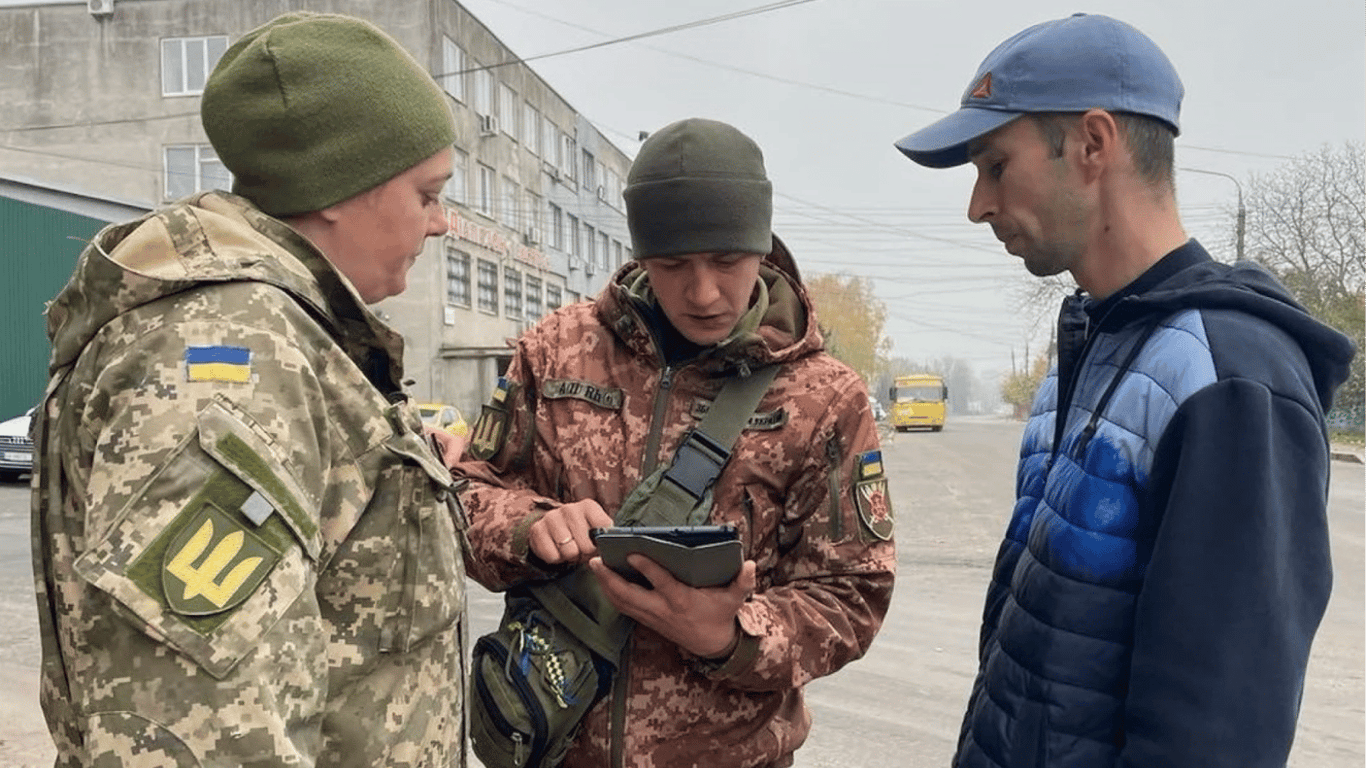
[445,417]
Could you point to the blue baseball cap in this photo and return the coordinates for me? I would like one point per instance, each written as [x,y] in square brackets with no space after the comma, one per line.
[1081,62]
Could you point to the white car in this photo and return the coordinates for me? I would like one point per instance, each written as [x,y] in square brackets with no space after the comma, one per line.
[16,448]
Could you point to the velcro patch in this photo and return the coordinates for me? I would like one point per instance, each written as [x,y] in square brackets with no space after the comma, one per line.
[874,502]
[211,557]
[213,564]
[489,432]
[602,397]
[869,465]
[758,421]
[232,364]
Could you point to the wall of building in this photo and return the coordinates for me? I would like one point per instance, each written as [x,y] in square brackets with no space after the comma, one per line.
[86,106]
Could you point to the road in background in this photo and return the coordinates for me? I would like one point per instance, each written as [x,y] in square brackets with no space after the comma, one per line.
[900,705]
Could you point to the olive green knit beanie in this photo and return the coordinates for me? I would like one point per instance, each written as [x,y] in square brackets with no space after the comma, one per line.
[311,109]
[699,186]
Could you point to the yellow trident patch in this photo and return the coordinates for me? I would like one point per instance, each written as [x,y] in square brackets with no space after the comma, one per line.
[214,564]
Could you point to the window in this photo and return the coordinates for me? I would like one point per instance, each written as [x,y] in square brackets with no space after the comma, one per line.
[531,128]
[488,286]
[589,171]
[511,208]
[512,293]
[556,227]
[457,276]
[568,159]
[600,180]
[192,168]
[483,90]
[484,202]
[589,249]
[452,69]
[533,298]
[187,61]
[457,189]
[548,134]
[605,250]
[508,118]
[532,210]
[554,299]
[613,189]
[574,297]
[575,247]
[617,253]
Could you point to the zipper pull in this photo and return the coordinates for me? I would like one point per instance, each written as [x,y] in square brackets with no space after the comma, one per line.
[518,748]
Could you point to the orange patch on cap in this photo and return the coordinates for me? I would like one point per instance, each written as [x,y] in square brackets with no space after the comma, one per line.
[983,88]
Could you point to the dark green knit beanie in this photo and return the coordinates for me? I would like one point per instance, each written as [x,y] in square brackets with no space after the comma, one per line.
[699,186]
[311,109]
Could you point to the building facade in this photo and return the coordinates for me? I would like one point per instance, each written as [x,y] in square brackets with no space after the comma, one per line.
[103,96]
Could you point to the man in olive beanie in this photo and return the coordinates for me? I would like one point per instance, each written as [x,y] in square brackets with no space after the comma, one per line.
[604,396]
[246,550]
[699,185]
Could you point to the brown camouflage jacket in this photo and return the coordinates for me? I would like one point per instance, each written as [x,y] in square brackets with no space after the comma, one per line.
[587,400]
[245,553]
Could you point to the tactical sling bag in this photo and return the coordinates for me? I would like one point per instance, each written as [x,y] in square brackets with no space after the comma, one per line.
[561,643]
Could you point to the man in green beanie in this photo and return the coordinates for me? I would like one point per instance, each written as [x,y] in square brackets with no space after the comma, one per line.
[602,396]
[246,549]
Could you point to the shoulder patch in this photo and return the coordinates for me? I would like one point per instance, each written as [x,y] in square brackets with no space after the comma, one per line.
[210,558]
[874,502]
[603,397]
[231,364]
[489,432]
[872,496]
[213,564]
[869,465]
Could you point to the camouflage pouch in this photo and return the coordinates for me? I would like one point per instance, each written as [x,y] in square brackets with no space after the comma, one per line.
[533,682]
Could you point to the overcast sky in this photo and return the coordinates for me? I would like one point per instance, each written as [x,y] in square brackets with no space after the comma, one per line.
[826,86]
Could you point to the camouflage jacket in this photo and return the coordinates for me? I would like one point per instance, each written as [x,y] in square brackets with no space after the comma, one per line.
[588,407]
[245,551]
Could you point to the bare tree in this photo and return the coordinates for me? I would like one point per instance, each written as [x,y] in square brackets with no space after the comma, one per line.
[1307,221]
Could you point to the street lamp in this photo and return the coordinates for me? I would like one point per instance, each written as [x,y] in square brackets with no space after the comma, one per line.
[1242,213]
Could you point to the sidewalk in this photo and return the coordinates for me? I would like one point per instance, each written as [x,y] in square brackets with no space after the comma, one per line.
[1352,453]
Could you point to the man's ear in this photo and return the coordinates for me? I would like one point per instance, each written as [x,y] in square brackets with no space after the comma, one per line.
[1101,146]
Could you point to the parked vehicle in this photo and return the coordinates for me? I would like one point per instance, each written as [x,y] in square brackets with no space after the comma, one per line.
[443,416]
[16,447]
[919,400]
[879,413]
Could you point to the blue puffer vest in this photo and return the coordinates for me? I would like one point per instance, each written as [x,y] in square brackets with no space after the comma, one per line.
[1056,644]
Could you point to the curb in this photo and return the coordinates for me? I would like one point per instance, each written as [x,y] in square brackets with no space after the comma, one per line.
[1353,457]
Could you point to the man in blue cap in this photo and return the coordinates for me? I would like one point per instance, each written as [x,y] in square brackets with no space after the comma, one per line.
[1167,561]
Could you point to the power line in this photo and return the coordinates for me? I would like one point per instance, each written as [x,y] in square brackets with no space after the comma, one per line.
[781,5]
[731,68]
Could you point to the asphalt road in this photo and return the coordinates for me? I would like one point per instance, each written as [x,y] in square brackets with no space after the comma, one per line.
[901,704]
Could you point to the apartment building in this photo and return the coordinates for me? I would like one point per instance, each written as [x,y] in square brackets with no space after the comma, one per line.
[102,96]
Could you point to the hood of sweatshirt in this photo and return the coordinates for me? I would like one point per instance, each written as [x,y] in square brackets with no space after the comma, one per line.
[1188,278]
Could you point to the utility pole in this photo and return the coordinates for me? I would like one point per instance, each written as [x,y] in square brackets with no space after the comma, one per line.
[1242,213]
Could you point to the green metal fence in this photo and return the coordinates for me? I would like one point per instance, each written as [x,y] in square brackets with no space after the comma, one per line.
[38,249]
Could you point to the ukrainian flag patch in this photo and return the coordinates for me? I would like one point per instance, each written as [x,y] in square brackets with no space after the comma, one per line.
[869,465]
[218,364]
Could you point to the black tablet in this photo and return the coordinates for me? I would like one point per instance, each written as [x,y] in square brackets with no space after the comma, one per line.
[697,555]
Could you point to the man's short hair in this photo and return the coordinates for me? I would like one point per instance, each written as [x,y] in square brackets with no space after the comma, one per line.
[1150,141]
